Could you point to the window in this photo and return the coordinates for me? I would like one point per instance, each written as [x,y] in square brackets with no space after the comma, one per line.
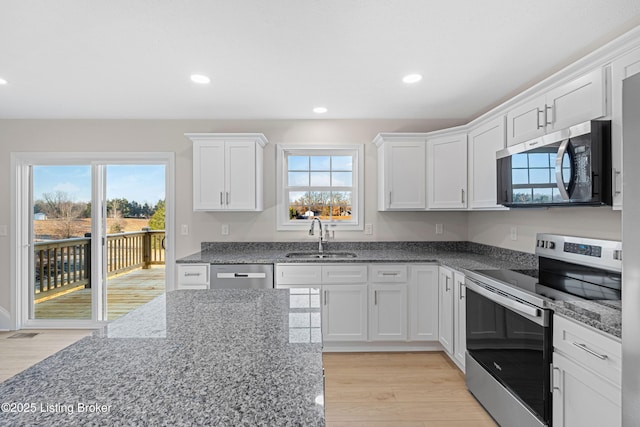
[320,182]
[533,175]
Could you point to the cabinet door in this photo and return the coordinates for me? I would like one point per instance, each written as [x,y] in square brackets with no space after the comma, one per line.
[423,303]
[447,169]
[445,305]
[575,102]
[404,176]
[526,121]
[582,398]
[344,312]
[208,175]
[388,316]
[459,316]
[484,142]
[193,276]
[621,68]
[240,175]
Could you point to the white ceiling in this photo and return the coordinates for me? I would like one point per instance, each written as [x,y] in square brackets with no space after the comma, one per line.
[277,59]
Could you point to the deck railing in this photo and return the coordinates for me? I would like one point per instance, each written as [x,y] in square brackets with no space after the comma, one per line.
[62,265]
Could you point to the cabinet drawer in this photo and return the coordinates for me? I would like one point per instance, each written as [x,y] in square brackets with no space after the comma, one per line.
[298,274]
[354,273]
[193,276]
[588,347]
[391,273]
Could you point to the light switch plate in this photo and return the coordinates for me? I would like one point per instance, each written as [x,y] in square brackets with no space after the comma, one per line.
[514,233]
[184,229]
[439,228]
[368,229]
[225,229]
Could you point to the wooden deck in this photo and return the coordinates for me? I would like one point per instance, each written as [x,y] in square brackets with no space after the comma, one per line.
[125,292]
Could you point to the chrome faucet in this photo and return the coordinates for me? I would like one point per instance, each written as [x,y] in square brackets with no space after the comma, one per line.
[313,222]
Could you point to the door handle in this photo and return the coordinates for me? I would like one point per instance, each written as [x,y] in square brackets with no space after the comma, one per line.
[559,178]
[553,378]
[540,126]
[221,202]
[616,175]
[460,289]
[462,191]
[548,115]
[227,197]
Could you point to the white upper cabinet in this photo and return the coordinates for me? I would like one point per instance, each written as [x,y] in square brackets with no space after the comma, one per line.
[484,142]
[447,172]
[621,68]
[577,101]
[401,172]
[227,171]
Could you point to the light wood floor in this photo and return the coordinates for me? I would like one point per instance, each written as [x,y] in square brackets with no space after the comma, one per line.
[125,292]
[17,354]
[361,389]
[398,389]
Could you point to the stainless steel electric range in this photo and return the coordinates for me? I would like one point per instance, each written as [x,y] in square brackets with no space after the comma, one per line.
[509,322]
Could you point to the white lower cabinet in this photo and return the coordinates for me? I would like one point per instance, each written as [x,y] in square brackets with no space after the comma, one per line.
[377,305]
[344,312]
[388,303]
[586,376]
[459,319]
[193,276]
[423,303]
[445,313]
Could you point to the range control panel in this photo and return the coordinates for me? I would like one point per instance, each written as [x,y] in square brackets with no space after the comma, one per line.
[606,254]
[581,249]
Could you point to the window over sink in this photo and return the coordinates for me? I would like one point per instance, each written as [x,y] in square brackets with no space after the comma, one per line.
[324,182]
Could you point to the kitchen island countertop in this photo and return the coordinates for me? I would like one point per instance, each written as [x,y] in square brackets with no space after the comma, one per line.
[224,357]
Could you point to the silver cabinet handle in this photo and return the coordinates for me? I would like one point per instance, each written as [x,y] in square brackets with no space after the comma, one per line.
[462,191]
[553,378]
[548,114]
[540,126]
[387,273]
[325,298]
[227,197]
[591,352]
[460,289]
[446,284]
[375,297]
[616,175]
[192,274]
[389,198]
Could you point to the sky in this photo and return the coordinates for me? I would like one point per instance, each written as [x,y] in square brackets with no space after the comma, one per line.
[140,183]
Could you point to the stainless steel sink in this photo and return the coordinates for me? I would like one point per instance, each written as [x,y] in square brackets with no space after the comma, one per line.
[318,255]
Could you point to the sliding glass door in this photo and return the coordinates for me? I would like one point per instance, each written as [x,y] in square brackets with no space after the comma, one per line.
[92,241]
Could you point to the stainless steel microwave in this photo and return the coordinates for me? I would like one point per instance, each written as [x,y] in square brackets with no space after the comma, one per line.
[571,167]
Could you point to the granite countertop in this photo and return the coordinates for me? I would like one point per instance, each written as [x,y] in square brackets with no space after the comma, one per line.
[605,316]
[223,357]
[457,255]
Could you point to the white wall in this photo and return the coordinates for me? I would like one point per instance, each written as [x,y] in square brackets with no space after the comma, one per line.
[168,135]
[494,228]
[491,228]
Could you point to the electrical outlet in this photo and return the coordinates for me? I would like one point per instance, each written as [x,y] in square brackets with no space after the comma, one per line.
[439,228]
[225,229]
[514,233]
[184,229]
[368,229]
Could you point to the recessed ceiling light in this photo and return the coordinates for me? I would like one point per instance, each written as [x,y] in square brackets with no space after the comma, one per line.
[3,81]
[200,79]
[412,78]
[320,110]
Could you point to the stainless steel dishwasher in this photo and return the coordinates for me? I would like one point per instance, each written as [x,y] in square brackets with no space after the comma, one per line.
[241,276]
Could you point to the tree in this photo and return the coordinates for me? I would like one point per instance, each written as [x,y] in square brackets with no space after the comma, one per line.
[66,213]
[157,219]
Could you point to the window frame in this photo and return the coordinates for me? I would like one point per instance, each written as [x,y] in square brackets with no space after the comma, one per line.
[282,205]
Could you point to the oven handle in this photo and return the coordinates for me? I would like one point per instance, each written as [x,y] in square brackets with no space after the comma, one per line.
[504,301]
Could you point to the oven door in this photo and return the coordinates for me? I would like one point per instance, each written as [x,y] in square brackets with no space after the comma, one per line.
[512,341]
